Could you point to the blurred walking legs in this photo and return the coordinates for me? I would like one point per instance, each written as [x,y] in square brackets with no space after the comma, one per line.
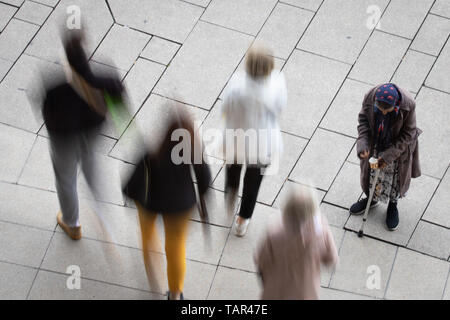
[175,229]
[252,182]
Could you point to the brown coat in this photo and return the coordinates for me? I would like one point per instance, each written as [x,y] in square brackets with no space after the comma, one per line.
[405,145]
[289,263]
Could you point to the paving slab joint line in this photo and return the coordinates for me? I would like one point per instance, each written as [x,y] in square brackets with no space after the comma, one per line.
[31,40]
[110,11]
[292,5]
[432,68]
[390,273]
[221,255]
[446,283]
[410,44]
[103,282]
[333,272]
[426,208]
[323,56]
[40,265]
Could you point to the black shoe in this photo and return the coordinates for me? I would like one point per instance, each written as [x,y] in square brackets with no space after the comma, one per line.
[168,296]
[360,206]
[392,219]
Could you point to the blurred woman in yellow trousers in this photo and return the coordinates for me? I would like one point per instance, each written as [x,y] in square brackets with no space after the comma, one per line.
[160,185]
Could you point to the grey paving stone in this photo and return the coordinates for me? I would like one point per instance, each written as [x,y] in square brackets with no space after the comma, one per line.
[94,258]
[441,7]
[211,45]
[160,50]
[434,156]
[413,70]
[216,209]
[437,211]
[317,151]
[327,272]
[429,276]
[283,29]
[346,189]
[96,21]
[6,13]
[16,3]
[33,12]
[312,83]
[244,16]
[333,294]
[121,47]
[28,206]
[15,38]
[170,19]
[140,81]
[28,247]
[284,193]
[409,21]
[4,67]
[439,78]
[375,68]
[15,281]
[51,3]
[447,291]
[15,145]
[432,35]
[21,92]
[343,114]
[340,30]
[336,216]
[53,286]
[356,256]
[109,223]
[239,252]
[64,252]
[150,121]
[306,4]
[432,240]
[272,183]
[410,210]
[224,285]
[202,3]
[38,171]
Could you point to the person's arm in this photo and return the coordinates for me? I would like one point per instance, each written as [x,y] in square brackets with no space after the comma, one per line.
[363,144]
[406,137]
[263,255]
[330,254]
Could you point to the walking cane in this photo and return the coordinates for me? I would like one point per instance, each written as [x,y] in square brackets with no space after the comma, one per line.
[372,161]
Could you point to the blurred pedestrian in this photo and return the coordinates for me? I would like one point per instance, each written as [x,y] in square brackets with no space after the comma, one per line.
[163,184]
[73,112]
[251,110]
[289,258]
[387,131]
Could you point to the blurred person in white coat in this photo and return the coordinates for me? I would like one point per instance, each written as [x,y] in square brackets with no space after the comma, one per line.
[252,106]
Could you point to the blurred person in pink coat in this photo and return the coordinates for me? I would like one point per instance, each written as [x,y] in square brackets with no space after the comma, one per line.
[289,258]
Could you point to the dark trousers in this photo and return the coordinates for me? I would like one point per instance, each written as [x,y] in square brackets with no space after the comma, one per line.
[252,182]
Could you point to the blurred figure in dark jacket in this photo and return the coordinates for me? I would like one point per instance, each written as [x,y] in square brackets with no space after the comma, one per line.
[73,111]
[163,184]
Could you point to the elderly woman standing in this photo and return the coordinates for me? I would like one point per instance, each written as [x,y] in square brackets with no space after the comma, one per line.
[251,110]
[387,130]
[289,259]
